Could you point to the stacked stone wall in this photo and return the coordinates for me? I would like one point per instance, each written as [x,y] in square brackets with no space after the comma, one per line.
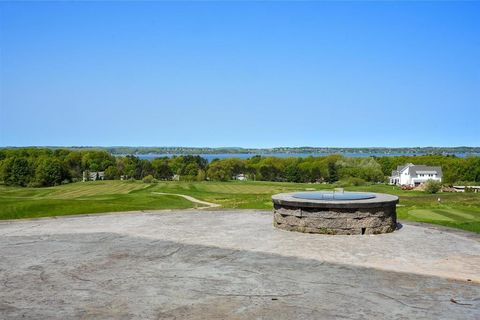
[373,220]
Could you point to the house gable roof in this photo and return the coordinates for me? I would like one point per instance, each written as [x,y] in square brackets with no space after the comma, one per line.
[417,169]
[420,169]
[405,166]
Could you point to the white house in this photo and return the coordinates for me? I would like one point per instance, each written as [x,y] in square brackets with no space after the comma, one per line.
[413,175]
[93,175]
[241,177]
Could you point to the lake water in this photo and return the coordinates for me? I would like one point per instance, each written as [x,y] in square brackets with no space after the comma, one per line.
[210,157]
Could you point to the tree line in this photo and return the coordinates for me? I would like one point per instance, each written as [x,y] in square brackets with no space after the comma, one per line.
[119,150]
[38,167]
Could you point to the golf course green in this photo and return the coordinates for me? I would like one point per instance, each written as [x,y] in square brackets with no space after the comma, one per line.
[458,210]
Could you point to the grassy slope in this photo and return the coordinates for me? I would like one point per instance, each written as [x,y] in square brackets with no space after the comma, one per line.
[459,210]
[455,209]
[77,198]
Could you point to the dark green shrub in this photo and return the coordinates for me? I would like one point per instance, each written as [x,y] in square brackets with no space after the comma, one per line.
[432,186]
[148,179]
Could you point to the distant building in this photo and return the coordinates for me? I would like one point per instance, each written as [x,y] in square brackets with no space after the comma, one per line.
[466,188]
[241,177]
[413,175]
[93,175]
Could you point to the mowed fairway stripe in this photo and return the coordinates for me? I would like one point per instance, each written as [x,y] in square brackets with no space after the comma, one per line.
[466,214]
[453,216]
[246,189]
[426,214]
[94,189]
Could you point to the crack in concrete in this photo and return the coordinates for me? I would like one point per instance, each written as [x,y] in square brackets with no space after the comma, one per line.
[248,295]
[395,299]
[170,253]
[20,230]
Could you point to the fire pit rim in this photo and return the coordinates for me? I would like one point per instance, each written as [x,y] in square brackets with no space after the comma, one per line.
[380,199]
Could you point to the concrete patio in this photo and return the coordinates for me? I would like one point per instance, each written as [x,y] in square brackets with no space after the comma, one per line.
[231,265]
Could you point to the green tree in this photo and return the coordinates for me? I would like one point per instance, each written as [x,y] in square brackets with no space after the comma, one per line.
[293,173]
[216,171]
[94,160]
[50,172]
[133,167]
[161,168]
[190,170]
[147,168]
[332,172]
[73,163]
[111,173]
[201,175]
[17,171]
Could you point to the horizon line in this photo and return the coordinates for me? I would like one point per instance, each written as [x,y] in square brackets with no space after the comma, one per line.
[232,147]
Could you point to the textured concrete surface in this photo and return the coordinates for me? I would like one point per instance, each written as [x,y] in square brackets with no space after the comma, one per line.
[231,265]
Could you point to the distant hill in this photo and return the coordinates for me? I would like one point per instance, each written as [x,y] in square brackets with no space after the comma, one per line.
[278,150]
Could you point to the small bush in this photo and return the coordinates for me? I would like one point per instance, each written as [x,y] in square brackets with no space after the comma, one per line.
[148,179]
[432,186]
[342,184]
[201,176]
[357,181]
[187,178]
[348,182]
[470,189]
[466,183]
[34,184]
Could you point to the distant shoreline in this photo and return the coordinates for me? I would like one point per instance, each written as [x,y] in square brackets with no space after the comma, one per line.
[212,156]
[461,151]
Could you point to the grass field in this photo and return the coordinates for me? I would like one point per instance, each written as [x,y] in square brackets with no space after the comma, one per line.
[459,210]
[77,198]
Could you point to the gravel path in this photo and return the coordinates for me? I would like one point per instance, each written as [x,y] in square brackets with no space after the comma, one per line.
[192,199]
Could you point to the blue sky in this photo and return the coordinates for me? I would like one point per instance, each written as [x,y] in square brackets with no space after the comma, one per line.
[251,74]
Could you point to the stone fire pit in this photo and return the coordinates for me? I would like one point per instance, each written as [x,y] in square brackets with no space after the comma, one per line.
[335,212]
